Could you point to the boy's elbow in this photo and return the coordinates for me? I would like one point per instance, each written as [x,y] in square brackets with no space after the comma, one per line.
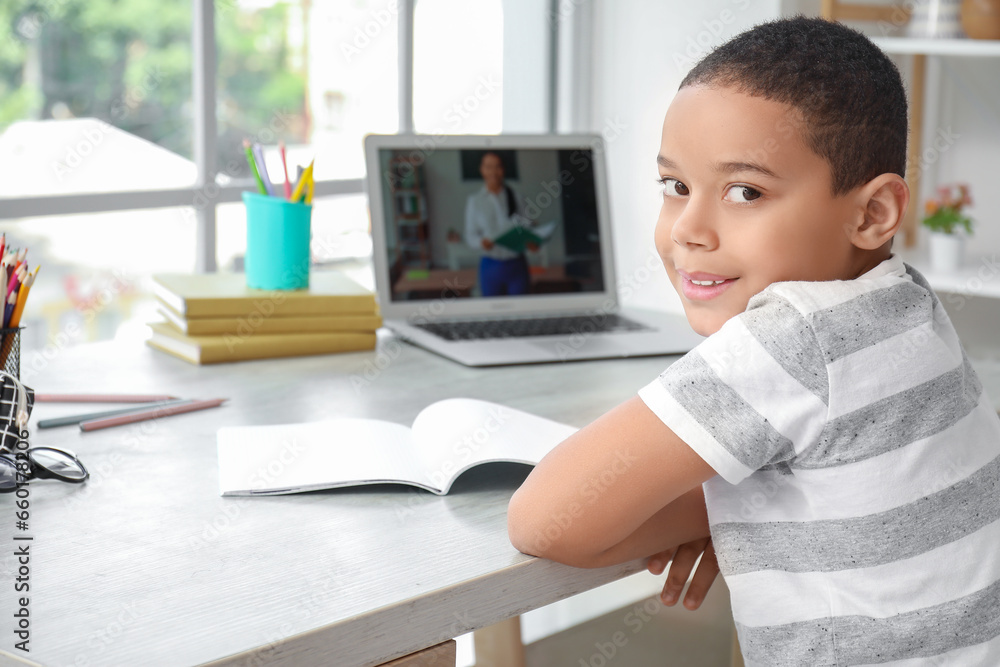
[534,531]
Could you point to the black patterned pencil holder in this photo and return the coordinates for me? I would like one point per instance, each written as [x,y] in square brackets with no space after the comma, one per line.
[10,351]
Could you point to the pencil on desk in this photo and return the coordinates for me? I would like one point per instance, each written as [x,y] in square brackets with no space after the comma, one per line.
[76,419]
[155,413]
[101,398]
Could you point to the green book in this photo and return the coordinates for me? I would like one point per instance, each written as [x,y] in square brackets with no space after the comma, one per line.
[517,239]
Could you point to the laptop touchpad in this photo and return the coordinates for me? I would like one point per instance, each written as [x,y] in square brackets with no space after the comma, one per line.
[575,346]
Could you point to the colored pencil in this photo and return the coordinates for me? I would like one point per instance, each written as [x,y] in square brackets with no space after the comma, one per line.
[22,298]
[101,398]
[284,167]
[258,153]
[145,415]
[76,419]
[300,186]
[253,167]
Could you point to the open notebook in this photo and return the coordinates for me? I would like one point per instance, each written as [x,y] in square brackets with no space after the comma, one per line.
[446,439]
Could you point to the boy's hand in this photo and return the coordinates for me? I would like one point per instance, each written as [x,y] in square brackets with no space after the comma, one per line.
[684,557]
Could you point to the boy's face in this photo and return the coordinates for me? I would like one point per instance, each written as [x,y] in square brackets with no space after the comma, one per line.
[746,203]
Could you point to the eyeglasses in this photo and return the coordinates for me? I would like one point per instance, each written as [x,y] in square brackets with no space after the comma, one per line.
[39,463]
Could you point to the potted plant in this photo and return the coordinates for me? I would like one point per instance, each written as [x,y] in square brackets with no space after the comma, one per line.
[948,226]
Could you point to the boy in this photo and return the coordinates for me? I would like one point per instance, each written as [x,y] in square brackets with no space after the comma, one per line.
[848,456]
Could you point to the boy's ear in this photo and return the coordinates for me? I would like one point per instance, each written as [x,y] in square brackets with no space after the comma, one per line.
[882,202]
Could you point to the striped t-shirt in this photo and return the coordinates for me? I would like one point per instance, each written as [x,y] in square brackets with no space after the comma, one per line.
[856,514]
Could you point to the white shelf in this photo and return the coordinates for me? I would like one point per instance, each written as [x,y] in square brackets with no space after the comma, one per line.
[980,276]
[981,48]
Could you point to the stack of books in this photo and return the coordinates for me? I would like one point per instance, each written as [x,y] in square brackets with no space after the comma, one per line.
[212,318]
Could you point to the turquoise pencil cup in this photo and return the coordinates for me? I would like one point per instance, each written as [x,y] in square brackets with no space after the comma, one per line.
[278,237]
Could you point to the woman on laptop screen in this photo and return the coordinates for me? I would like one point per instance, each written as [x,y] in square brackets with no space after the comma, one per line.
[491,213]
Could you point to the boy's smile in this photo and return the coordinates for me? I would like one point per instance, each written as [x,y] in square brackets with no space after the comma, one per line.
[746,203]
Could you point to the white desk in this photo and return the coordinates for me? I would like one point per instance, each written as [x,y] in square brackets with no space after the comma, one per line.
[146,564]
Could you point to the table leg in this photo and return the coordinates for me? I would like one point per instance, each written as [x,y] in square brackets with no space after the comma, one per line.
[441,655]
[499,645]
[736,659]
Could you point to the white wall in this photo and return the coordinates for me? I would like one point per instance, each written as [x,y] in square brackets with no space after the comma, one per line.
[526,79]
[642,50]
[640,55]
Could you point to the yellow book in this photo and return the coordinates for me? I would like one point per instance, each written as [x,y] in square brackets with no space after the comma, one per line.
[216,349]
[242,326]
[217,295]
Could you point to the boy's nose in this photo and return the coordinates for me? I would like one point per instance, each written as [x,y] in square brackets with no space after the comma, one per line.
[694,227]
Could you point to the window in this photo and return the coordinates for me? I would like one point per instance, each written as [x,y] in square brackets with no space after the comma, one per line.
[458,67]
[117,162]
[94,97]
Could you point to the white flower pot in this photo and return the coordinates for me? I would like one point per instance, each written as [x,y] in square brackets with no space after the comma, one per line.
[947,251]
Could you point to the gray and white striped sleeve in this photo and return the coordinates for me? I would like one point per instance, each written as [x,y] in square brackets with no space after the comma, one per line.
[753,394]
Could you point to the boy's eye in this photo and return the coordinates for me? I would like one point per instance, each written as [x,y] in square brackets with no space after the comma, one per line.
[742,194]
[673,188]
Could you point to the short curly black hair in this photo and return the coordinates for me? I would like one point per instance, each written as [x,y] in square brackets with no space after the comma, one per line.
[848,91]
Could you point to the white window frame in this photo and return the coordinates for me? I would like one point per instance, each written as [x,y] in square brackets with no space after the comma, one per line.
[205,187]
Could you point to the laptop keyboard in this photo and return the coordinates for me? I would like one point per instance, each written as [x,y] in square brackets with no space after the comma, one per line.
[540,326]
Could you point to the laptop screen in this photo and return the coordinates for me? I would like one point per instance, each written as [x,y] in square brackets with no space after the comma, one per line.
[484,222]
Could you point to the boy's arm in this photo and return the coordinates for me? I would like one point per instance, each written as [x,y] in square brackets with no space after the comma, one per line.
[624,487]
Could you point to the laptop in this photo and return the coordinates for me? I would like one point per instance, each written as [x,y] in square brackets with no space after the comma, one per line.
[495,250]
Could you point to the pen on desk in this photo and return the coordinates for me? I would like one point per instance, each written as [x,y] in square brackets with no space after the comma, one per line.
[155,413]
[101,398]
[76,419]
